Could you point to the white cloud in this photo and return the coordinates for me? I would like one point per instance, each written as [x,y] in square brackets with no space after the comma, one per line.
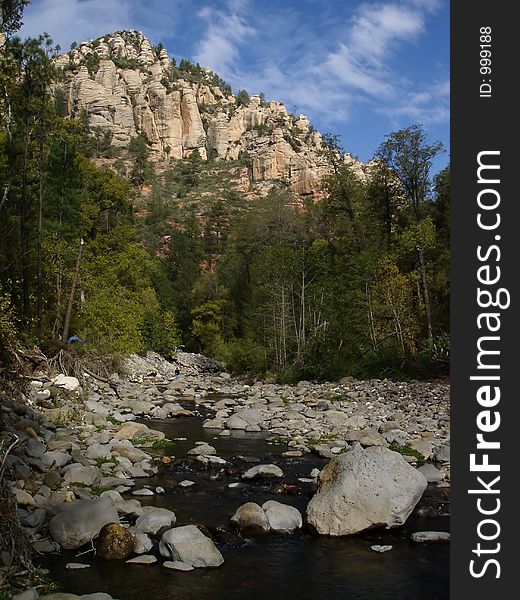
[220,48]
[343,66]
[70,21]
[429,105]
[377,28]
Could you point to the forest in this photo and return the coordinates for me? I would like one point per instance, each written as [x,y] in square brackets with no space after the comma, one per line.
[104,245]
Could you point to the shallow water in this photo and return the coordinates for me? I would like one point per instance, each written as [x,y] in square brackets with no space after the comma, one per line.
[274,567]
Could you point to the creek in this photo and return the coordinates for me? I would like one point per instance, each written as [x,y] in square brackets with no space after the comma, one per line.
[302,566]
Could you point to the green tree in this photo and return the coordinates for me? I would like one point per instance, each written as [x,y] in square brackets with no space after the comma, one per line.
[409,157]
[242,98]
[11,13]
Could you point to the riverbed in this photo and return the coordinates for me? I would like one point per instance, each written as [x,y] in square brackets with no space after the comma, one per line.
[273,566]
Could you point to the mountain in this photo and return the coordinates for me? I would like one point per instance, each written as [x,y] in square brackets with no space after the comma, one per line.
[123,86]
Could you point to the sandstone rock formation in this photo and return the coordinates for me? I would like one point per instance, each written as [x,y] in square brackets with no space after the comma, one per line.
[123,86]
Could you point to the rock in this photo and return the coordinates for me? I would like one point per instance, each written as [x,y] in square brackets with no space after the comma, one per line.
[442,454]
[423,447]
[432,474]
[281,517]
[263,472]
[74,566]
[45,546]
[31,594]
[356,422]
[216,423]
[96,450]
[189,545]
[35,448]
[364,488]
[370,437]
[23,498]
[153,520]
[96,407]
[142,543]
[129,430]
[186,483]
[79,522]
[251,519]
[323,451]
[176,565]
[35,519]
[430,536]
[202,450]
[82,475]
[236,422]
[71,384]
[133,454]
[60,596]
[336,418]
[52,479]
[380,549]
[143,492]
[250,415]
[114,542]
[144,559]
[210,460]
[114,495]
[129,507]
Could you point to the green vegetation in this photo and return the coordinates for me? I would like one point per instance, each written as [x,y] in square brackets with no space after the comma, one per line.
[113,420]
[154,443]
[102,461]
[146,258]
[407,450]
[242,98]
[97,490]
[70,259]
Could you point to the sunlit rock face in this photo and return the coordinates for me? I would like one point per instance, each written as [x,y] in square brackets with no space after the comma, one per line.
[123,86]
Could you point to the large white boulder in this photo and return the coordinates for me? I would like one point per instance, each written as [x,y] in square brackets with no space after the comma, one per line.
[189,545]
[154,519]
[282,517]
[79,522]
[364,488]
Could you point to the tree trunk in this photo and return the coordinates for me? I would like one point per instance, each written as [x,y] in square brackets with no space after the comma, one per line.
[24,231]
[40,243]
[68,315]
[426,293]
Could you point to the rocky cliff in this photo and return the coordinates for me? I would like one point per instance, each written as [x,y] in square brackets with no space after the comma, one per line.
[123,86]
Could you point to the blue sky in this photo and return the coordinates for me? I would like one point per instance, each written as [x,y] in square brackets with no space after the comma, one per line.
[357,69]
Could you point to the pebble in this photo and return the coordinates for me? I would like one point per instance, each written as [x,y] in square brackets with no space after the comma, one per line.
[186,483]
[176,565]
[142,492]
[144,559]
[380,549]
[430,536]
